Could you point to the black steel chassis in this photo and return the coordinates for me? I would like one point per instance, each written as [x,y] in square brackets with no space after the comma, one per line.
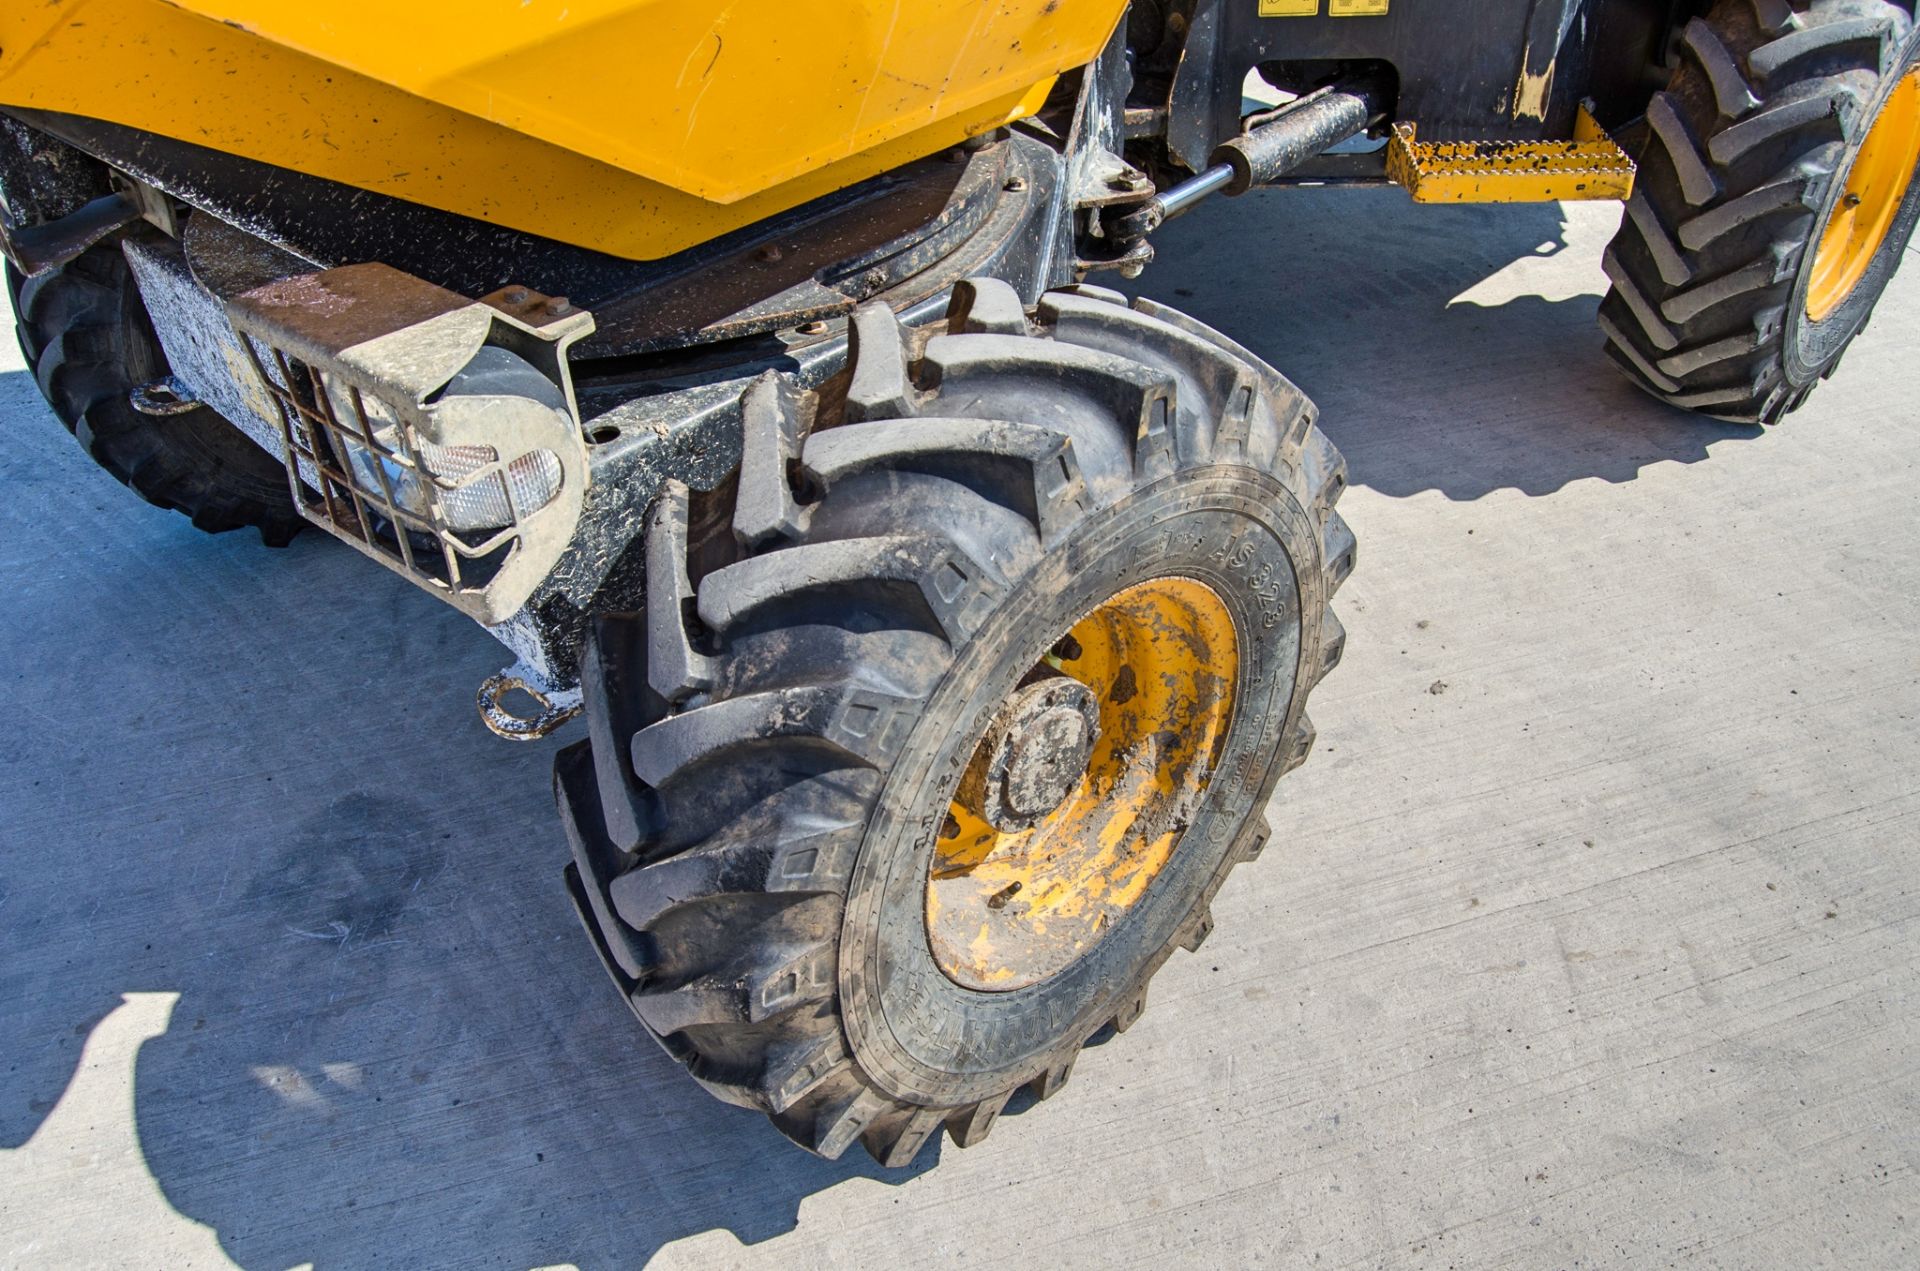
[1497,70]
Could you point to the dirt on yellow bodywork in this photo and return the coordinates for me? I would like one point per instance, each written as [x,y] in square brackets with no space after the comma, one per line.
[1009,908]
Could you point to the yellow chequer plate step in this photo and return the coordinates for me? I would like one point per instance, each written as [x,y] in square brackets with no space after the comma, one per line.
[1592,166]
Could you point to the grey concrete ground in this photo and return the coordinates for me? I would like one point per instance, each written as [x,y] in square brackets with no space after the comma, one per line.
[1588,938]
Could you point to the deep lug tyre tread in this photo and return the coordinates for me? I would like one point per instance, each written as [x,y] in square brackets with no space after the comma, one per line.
[1744,148]
[750,749]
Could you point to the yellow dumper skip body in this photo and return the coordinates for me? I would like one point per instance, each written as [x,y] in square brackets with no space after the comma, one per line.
[634,127]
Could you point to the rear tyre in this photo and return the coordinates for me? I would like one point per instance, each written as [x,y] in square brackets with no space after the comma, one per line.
[836,826]
[1736,284]
[84,332]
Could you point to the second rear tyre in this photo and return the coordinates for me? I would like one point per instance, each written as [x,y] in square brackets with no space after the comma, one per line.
[1775,201]
[905,784]
[84,331]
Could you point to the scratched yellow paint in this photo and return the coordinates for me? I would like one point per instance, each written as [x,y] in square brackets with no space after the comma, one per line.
[1005,909]
[637,127]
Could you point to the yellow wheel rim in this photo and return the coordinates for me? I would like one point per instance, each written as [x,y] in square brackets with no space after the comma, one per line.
[1876,187]
[1009,905]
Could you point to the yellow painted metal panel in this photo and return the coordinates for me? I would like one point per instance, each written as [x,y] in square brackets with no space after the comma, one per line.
[1006,906]
[636,127]
[1508,171]
[1876,190]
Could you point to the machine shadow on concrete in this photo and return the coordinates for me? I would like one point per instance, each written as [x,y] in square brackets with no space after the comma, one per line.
[392,1045]
[1347,293]
[257,779]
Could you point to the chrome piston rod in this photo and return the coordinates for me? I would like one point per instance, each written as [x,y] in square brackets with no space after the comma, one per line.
[1273,146]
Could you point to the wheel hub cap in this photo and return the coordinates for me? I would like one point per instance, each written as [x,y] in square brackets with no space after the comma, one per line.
[1035,753]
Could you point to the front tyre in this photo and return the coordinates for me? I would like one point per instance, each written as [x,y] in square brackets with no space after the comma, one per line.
[904,788]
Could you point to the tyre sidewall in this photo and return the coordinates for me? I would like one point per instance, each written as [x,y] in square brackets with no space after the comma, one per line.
[1812,348]
[921,1037]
